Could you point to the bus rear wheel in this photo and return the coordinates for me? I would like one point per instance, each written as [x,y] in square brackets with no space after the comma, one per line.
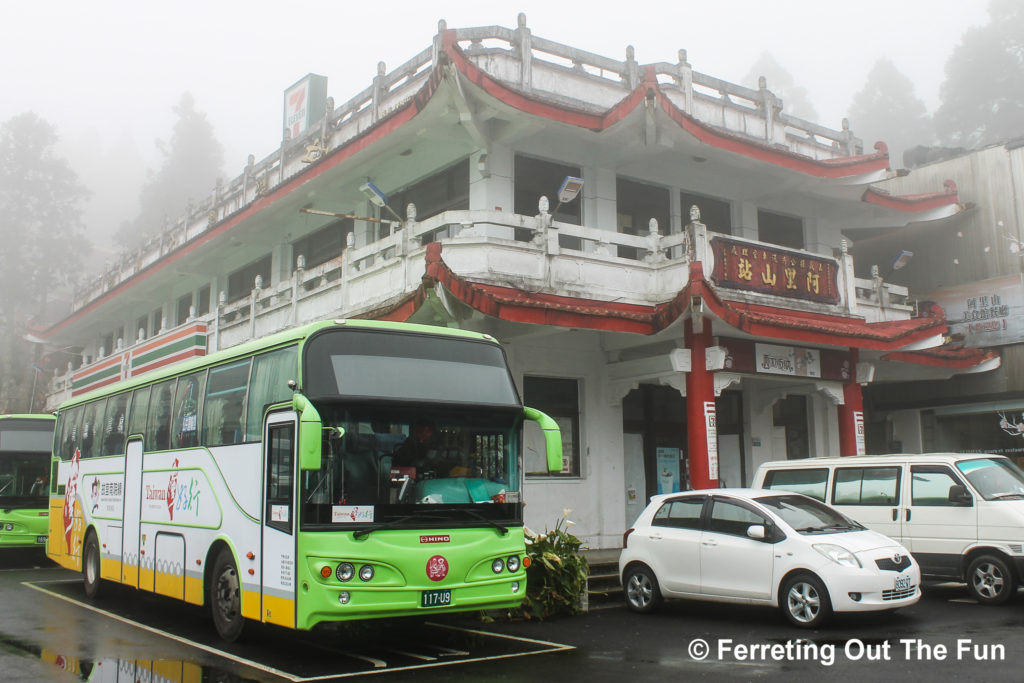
[91,566]
[226,597]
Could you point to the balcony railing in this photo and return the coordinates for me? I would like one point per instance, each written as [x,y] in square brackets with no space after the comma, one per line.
[532,253]
[532,64]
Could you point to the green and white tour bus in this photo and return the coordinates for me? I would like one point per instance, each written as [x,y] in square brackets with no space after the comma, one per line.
[25,445]
[341,470]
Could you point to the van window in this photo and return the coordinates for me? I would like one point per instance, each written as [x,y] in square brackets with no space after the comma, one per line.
[810,482]
[995,478]
[930,484]
[866,486]
[680,514]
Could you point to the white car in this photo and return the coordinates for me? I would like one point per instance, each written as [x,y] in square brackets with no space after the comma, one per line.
[763,547]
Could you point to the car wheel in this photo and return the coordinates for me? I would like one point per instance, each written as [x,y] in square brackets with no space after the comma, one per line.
[91,566]
[805,602]
[641,589]
[226,597]
[990,580]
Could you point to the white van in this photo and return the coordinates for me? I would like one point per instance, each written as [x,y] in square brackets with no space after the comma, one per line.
[961,515]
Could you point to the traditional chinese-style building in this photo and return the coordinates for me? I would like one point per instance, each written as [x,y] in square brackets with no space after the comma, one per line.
[670,260]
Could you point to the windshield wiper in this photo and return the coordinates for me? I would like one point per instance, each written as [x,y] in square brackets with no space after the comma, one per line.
[1006,496]
[829,527]
[474,513]
[366,531]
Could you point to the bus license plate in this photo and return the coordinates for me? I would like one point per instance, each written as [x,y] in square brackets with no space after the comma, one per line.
[436,598]
[40,539]
[902,583]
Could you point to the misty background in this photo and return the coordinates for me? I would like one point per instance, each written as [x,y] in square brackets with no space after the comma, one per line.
[114,113]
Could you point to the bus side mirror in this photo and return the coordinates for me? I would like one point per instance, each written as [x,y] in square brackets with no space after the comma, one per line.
[310,433]
[552,437]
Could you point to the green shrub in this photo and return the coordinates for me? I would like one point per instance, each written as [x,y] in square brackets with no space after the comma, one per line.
[557,575]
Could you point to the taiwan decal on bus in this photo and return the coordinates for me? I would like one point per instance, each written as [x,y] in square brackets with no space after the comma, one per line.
[341,470]
[25,445]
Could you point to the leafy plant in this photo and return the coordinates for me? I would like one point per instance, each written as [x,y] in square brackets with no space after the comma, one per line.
[557,575]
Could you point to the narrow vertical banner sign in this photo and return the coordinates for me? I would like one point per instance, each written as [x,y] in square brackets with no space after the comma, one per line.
[711,424]
[858,430]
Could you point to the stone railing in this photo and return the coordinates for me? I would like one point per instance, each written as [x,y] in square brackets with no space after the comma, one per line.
[529,63]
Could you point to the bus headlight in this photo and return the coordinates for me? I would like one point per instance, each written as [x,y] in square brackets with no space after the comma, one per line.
[345,572]
[497,565]
[512,563]
[344,597]
[365,572]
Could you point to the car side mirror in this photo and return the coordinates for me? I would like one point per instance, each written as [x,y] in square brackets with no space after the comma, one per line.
[756,532]
[958,495]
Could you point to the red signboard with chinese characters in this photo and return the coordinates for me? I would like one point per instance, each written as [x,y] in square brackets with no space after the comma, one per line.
[768,270]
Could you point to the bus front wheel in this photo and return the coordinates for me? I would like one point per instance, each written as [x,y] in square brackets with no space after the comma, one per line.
[91,566]
[226,597]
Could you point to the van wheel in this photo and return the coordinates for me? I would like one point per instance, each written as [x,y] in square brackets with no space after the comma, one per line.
[91,566]
[990,580]
[226,597]
[641,589]
[805,601]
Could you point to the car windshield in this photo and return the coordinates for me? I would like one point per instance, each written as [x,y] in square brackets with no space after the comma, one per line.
[995,478]
[808,516]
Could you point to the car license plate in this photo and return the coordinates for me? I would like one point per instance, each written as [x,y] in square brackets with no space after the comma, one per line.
[40,539]
[436,598]
[902,583]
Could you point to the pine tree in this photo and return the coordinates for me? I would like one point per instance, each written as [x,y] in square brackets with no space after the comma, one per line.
[41,233]
[192,162]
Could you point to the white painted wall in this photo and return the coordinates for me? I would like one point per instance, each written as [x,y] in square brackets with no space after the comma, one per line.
[597,498]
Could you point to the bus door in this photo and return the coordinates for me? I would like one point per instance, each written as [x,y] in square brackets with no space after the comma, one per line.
[278,526]
[130,559]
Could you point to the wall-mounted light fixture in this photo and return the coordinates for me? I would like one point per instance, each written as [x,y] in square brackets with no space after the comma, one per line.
[377,198]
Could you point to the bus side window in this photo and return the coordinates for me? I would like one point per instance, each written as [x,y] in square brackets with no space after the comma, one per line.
[223,409]
[69,427]
[140,408]
[269,385]
[92,429]
[158,428]
[187,408]
[115,424]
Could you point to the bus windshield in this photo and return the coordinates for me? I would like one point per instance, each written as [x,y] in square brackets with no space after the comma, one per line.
[25,462]
[380,464]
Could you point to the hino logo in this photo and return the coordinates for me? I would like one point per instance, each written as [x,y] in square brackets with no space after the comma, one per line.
[897,559]
[438,538]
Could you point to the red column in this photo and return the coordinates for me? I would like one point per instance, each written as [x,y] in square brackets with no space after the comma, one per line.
[700,411]
[851,414]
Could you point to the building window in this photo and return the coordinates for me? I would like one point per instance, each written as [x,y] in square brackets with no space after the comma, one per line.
[559,398]
[535,178]
[320,246]
[636,204]
[714,213]
[184,304]
[785,231]
[446,190]
[156,322]
[203,301]
[242,281]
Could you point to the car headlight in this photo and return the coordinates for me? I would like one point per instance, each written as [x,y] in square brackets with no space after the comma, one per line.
[838,554]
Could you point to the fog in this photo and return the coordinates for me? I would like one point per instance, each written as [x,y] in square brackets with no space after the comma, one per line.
[107,74]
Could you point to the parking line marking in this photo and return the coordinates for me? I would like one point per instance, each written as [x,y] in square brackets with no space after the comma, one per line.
[165,634]
[380,665]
